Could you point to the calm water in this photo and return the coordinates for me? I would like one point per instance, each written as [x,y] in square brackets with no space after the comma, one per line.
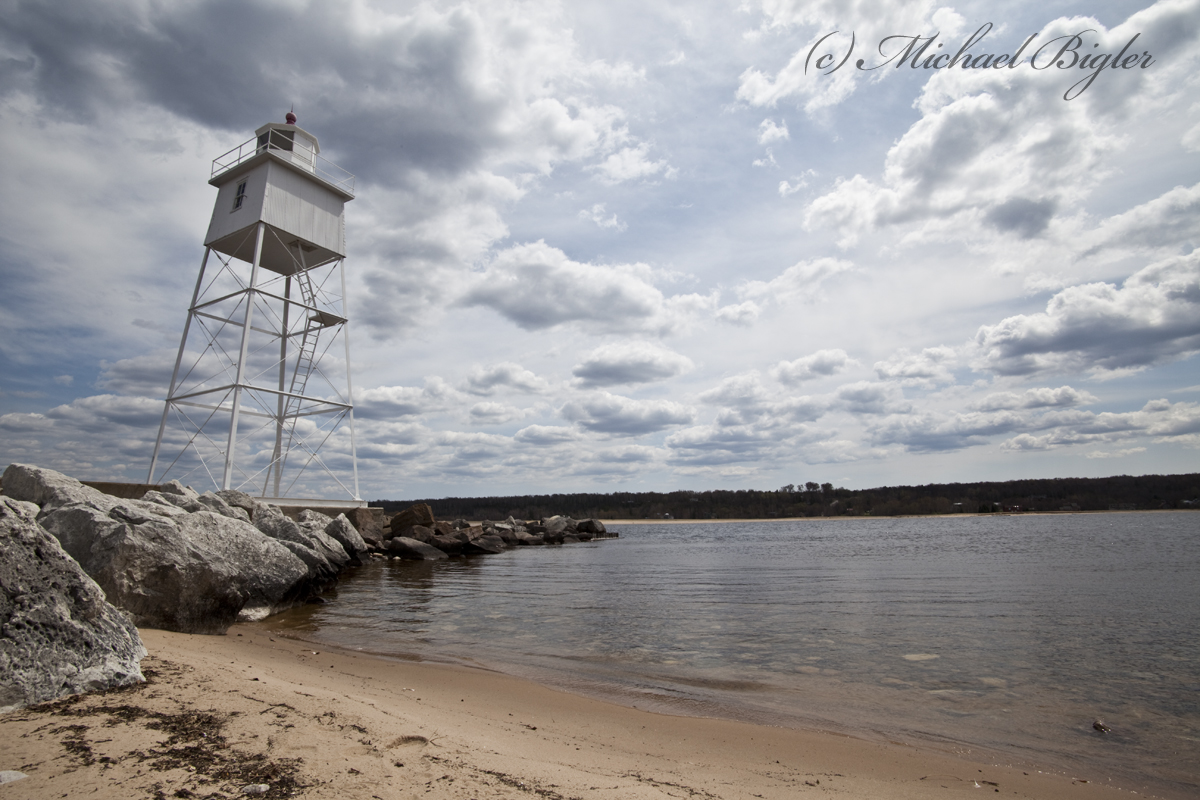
[1002,634]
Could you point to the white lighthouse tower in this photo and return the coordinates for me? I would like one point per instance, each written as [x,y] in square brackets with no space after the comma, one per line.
[260,398]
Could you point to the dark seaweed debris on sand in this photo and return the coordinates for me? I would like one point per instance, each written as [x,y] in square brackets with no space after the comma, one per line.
[195,743]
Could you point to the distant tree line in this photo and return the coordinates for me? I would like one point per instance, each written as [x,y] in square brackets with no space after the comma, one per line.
[812,499]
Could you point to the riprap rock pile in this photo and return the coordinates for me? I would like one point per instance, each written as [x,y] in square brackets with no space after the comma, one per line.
[415,534]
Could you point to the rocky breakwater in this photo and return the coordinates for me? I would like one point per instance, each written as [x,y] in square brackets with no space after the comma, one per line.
[183,561]
[415,534]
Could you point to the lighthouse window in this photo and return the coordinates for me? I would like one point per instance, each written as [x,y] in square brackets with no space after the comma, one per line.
[240,197]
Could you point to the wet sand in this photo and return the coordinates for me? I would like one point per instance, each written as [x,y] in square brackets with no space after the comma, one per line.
[251,708]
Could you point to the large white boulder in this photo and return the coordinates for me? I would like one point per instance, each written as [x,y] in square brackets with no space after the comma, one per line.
[195,573]
[50,490]
[58,634]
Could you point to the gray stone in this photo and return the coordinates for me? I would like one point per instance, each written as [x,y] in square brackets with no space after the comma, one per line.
[375,540]
[10,775]
[182,501]
[58,635]
[177,488]
[413,550]
[417,514]
[506,534]
[526,539]
[453,543]
[371,524]
[330,548]
[484,544]
[321,573]
[218,505]
[313,519]
[325,556]
[49,489]
[155,504]
[418,532]
[271,520]
[313,525]
[556,524]
[593,526]
[238,499]
[195,573]
[345,534]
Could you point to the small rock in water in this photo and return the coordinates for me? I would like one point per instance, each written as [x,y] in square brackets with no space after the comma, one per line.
[1100,726]
[256,788]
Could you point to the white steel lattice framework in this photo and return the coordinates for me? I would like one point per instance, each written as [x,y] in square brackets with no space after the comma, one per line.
[260,397]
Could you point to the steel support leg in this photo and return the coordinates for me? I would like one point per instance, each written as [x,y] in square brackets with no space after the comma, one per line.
[162,426]
[277,454]
[242,355]
[349,385]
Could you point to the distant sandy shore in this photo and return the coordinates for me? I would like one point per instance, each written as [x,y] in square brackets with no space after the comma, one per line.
[254,709]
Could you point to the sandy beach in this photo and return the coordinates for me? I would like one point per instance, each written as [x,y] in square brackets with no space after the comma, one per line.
[253,709]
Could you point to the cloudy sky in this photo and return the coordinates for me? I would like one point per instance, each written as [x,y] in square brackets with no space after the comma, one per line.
[635,245]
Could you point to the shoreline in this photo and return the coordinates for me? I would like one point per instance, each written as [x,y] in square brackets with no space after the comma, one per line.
[898,516]
[372,727]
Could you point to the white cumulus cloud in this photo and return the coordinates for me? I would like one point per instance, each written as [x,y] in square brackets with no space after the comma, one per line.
[820,364]
[536,286]
[629,363]
[1154,316]
[931,365]
[486,380]
[612,414]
